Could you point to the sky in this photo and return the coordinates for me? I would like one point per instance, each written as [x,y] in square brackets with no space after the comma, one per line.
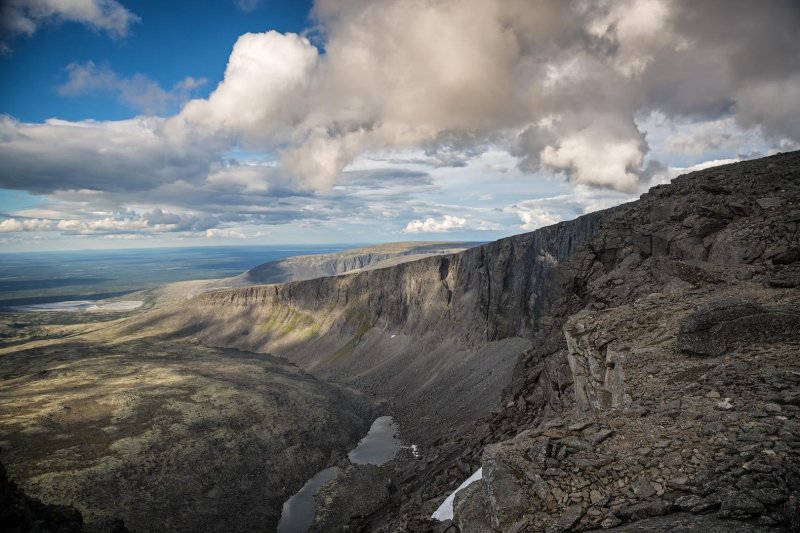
[136,123]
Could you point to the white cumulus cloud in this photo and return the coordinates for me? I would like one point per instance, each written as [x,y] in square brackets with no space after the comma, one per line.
[31,224]
[219,233]
[448,223]
[432,225]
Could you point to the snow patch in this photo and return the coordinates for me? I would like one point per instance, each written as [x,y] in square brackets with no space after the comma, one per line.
[725,404]
[445,511]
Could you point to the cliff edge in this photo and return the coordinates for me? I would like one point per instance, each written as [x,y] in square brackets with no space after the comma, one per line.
[661,391]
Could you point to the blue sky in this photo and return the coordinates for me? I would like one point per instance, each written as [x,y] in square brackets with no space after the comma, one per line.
[173,40]
[139,123]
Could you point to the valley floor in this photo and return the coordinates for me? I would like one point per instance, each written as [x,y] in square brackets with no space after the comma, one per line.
[168,436]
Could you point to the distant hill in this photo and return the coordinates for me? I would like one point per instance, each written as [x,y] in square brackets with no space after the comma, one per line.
[305,267]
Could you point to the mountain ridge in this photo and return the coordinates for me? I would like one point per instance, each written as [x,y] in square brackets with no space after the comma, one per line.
[437,322]
[304,267]
[444,339]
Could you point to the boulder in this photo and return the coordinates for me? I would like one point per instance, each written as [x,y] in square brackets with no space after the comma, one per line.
[506,494]
[642,488]
[645,510]
[721,325]
[740,505]
[771,202]
[469,510]
[569,518]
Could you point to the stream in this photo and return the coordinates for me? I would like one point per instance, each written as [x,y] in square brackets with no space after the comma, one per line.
[378,447]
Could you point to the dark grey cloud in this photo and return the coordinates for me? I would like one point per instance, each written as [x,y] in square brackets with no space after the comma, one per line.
[383,178]
[130,155]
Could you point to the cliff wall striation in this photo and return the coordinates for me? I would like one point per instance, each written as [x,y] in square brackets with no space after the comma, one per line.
[418,334]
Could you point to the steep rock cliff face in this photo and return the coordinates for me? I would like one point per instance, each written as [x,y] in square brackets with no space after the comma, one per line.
[420,334]
[483,294]
[317,266]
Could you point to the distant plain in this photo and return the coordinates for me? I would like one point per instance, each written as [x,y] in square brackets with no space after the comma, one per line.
[45,277]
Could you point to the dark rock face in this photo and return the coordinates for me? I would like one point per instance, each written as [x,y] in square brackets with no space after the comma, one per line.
[487,293]
[705,437]
[723,324]
[21,514]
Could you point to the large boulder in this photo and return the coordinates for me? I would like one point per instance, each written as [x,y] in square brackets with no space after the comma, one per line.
[470,510]
[507,495]
[723,324]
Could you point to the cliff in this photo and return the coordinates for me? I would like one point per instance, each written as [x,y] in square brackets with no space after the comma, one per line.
[662,386]
[574,327]
[305,267]
[416,333]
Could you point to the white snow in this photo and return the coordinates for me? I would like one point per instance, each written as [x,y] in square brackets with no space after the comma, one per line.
[725,404]
[445,511]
